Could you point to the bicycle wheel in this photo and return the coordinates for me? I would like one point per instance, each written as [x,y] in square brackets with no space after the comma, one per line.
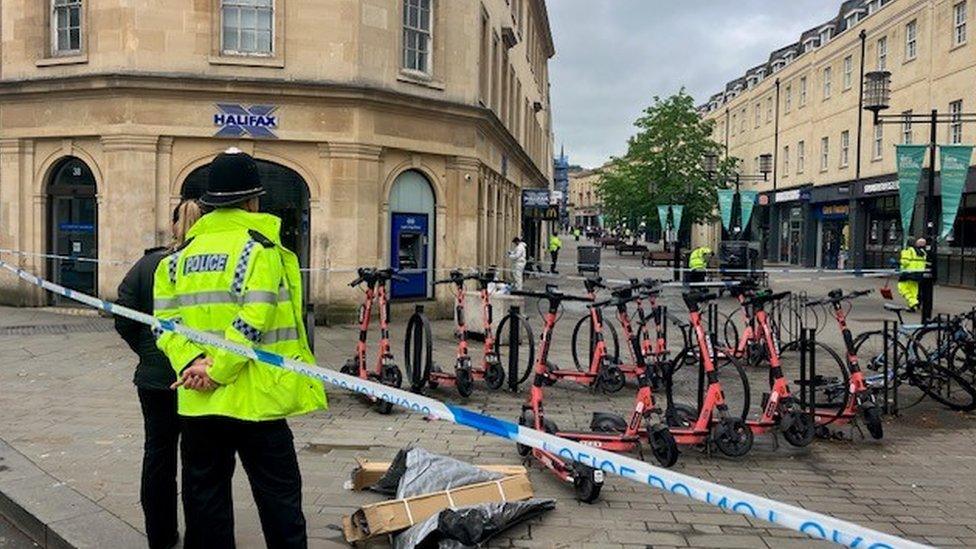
[830,394]
[735,386]
[962,360]
[943,386]
[869,347]
[524,340]
[730,328]
[581,342]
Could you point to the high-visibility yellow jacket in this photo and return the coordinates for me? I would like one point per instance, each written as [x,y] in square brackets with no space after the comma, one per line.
[698,260]
[555,243]
[912,259]
[235,280]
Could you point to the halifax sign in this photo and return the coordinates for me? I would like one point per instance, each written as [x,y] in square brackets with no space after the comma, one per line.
[238,120]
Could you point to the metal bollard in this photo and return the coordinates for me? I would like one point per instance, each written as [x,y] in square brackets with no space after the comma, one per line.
[515,314]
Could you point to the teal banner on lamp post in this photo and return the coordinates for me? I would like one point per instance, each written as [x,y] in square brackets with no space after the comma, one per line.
[910,158]
[662,214]
[676,214]
[954,169]
[725,198]
[747,200]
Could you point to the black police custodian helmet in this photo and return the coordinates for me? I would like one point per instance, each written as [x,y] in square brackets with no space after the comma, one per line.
[233,179]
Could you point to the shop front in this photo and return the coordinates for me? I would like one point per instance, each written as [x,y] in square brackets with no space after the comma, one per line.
[790,215]
[830,208]
[883,240]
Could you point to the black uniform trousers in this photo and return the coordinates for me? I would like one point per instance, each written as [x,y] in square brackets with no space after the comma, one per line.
[267,452]
[158,489]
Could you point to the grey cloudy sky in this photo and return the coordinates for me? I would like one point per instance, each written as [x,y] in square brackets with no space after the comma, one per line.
[614,56]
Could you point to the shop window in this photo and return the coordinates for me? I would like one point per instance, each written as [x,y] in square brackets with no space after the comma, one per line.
[417,27]
[247,27]
[65,27]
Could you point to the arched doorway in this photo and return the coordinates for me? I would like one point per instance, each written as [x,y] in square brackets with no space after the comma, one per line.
[287,197]
[73,231]
[412,235]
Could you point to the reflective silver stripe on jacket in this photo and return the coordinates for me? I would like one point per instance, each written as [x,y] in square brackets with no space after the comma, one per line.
[280,334]
[221,296]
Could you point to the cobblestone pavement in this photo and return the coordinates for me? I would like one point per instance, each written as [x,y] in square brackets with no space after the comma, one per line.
[68,404]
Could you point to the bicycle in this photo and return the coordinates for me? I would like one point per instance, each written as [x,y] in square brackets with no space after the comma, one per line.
[921,369]
[386,371]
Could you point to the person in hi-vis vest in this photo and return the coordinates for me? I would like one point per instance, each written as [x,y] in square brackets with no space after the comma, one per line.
[913,263]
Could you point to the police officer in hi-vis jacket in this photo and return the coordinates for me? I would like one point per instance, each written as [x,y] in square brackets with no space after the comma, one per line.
[234,279]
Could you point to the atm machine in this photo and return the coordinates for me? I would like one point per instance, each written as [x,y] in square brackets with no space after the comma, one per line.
[410,252]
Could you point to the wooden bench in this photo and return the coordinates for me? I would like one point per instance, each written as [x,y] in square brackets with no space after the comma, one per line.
[607,241]
[633,249]
[650,259]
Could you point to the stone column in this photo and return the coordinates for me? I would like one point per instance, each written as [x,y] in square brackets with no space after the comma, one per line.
[164,156]
[355,203]
[12,291]
[127,205]
[462,179]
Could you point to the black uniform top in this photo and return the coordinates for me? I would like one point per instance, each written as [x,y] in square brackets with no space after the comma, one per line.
[136,292]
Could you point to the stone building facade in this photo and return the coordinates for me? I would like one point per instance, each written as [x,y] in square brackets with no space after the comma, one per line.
[584,201]
[832,200]
[389,132]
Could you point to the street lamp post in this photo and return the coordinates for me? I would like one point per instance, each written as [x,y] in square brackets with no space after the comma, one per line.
[710,165]
[877,97]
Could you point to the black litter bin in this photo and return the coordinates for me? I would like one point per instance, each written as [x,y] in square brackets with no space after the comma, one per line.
[588,259]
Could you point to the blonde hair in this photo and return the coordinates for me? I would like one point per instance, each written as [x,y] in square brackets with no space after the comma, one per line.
[184,216]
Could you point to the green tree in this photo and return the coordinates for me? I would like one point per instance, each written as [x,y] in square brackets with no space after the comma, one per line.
[663,165]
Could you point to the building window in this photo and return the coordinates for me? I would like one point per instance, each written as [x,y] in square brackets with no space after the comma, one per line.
[845,148]
[758,110]
[959,23]
[742,122]
[955,125]
[848,72]
[826,82]
[66,27]
[786,160]
[800,156]
[911,40]
[247,27]
[769,109]
[734,125]
[882,53]
[484,70]
[824,153]
[906,128]
[788,98]
[878,148]
[803,91]
[416,35]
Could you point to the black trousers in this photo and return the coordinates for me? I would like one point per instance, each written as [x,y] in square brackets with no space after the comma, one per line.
[158,490]
[267,452]
[695,276]
[555,259]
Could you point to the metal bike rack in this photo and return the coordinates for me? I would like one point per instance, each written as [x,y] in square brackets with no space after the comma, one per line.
[808,370]
[515,313]
[418,354]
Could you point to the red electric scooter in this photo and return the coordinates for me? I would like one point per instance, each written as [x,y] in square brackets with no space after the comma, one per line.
[852,394]
[712,424]
[610,380]
[386,371]
[490,370]
[781,410]
[586,480]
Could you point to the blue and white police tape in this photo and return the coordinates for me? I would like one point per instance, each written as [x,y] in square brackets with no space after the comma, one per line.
[813,524]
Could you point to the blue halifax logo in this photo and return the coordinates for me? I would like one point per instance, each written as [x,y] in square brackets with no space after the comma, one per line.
[239,120]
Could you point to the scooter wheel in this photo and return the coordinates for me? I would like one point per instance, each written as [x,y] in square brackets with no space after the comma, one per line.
[663,445]
[612,379]
[350,368]
[384,407]
[872,420]
[608,424]
[733,437]
[799,428]
[494,374]
[526,419]
[464,381]
[587,482]
[392,376]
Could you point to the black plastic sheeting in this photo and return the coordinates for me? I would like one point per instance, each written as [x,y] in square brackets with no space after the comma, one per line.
[416,471]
